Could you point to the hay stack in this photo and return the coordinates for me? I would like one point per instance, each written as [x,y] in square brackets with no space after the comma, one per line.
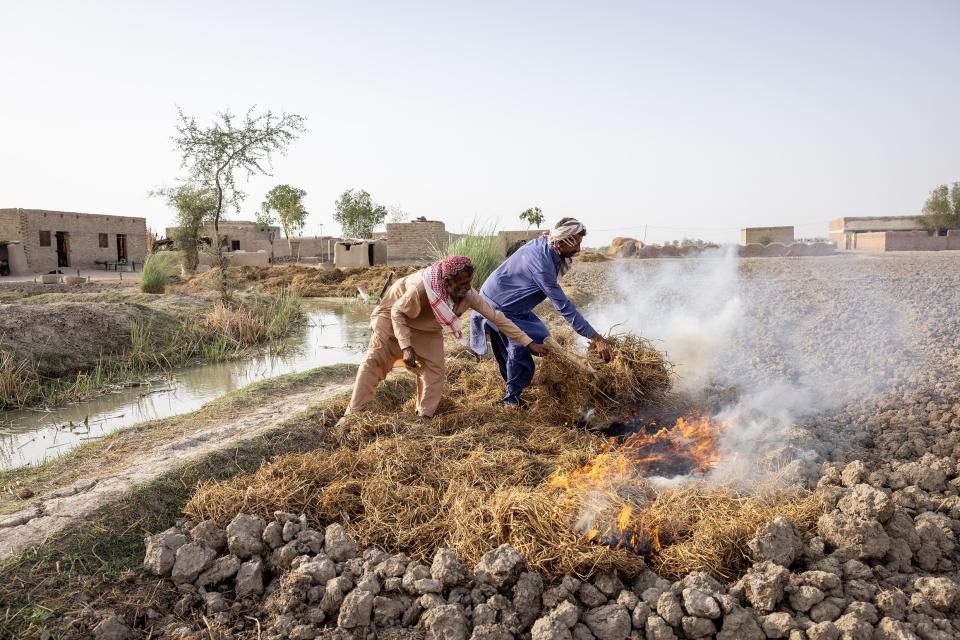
[307,281]
[775,250]
[649,251]
[624,247]
[590,256]
[752,250]
[823,249]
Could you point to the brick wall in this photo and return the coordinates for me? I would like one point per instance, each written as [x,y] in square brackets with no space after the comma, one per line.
[914,241]
[872,241]
[509,238]
[9,224]
[904,241]
[83,231]
[415,240]
[312,247]
[766,234]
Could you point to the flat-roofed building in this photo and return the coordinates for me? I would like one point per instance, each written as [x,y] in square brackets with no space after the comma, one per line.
[766,235]
[39,241]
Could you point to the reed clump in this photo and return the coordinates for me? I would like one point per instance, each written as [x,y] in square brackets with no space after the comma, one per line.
[221,333]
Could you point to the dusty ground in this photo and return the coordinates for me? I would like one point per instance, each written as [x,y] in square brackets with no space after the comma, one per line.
[874,339]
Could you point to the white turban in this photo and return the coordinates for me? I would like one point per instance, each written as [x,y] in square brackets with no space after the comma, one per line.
[565,231]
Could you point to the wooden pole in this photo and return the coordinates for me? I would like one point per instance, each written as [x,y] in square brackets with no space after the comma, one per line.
[574,359]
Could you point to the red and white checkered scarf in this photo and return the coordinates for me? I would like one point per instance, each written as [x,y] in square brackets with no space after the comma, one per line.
[437,294]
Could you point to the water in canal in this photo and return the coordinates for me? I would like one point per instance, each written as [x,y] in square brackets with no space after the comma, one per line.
[336,332]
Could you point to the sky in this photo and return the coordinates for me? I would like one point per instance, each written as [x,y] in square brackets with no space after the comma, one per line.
[656,120]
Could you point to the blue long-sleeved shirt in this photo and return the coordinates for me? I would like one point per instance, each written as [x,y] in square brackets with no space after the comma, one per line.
[526,279]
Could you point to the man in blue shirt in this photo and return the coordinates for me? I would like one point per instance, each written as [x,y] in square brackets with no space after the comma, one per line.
[523,281]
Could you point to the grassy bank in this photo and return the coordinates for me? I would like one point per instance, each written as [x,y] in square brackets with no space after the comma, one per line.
[98,562]
[206,334]
[114,450]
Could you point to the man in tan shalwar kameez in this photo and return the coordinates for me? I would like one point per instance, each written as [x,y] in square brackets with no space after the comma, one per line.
[408,327]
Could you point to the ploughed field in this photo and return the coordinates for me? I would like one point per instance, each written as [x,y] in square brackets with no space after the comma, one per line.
[875,337]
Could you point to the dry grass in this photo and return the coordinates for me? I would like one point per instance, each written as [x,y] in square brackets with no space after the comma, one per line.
[18,381]
[590,256]
[478,474]
[257,319]
[308,282]
[707,529]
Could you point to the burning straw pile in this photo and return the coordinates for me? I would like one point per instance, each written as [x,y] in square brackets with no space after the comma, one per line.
[478,474]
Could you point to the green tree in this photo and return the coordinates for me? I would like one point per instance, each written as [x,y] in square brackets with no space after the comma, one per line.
[214,155]
[284,204]
[195,206]
[397,214]
[357,214]
[942,208]
[533,217]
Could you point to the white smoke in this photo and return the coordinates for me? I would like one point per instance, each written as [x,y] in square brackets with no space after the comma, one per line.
[691,309]
[698,312]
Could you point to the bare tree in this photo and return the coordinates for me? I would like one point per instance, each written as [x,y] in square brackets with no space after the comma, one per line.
[213,155]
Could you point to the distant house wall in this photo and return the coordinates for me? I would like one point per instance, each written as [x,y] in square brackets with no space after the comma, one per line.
[875,223]
[766,235]
[904,241]
[250,235]
[416,240]
[238,258]
[846,232]
[83,231]
[311,247]
[509,238]
[10,225]
[356,254]
[869,241]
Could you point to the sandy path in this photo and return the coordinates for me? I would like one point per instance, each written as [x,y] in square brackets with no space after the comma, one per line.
[28,528]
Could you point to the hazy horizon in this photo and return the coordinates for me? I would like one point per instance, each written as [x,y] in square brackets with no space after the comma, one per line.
[641,119]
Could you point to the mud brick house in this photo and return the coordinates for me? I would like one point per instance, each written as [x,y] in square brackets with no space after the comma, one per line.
[250,236]
[766,235]
[415,241]
[889,233]
[39,241]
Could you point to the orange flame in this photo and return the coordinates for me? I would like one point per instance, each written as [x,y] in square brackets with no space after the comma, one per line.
[604,500]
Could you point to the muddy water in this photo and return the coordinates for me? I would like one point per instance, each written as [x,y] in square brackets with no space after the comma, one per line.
[336,332]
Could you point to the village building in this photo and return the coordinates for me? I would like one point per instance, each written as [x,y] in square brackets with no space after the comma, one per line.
[247,236]
[889,233]
[40,241]
[415,241]
[349,254]
[419,240]
[766,235]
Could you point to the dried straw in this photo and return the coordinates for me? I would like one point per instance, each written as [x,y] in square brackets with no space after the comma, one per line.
[478,474]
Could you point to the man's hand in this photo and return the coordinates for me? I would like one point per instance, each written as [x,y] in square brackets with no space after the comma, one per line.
[538,349]
[411,359]
[602,347]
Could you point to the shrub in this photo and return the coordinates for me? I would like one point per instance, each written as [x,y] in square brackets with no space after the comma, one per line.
[480,244]
[158,270]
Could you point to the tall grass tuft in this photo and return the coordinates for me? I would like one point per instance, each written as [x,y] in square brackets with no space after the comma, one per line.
[479,243]
[226,331]
[158,270]
[19,383]
[262,319]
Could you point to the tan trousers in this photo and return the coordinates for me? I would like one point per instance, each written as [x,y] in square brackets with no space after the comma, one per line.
[383,354]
